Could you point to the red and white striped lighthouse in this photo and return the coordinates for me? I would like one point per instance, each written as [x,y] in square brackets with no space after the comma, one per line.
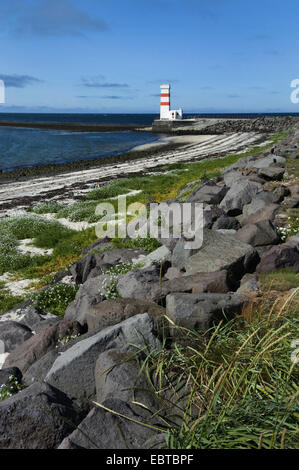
[165,112]
[165,101]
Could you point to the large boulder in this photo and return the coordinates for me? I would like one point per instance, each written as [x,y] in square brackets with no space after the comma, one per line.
[159,256]
[73,370]
[121,428]
[181,254]
[114,311]
[39,369]
[42,342]
[202,310]
[117,375]
[231,176]
[265,213]
[210,192]
[280,256]
[210,215]
[259,234]
[93,265]
[137,284]
[260,201]
[199,282]
[220,252]
[256,162]
[241,193]
[249,283]
[27,314]
[265,162]
[12,334]
[272,173]
[226,223]
[90,293]
[39,417]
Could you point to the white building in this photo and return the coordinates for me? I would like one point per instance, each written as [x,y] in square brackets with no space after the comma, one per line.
[165,112]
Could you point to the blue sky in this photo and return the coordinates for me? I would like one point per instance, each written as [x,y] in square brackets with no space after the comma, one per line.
[111,56]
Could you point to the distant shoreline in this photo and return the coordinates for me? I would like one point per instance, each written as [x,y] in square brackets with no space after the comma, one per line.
[75,127]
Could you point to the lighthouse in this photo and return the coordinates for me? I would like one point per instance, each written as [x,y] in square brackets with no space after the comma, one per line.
[165,112]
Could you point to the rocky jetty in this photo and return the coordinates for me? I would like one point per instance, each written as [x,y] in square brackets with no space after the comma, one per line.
[66,365]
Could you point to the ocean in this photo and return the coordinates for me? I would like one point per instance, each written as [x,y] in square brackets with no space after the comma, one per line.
[23,147]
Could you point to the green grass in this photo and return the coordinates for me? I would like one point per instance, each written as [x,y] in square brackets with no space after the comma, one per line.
[67,246]
[240,387]
[281,280]
[8,300]
[109,190]
[45,233]
[167,185]
[56,298]
[293,167]
[146,244]
[46,207]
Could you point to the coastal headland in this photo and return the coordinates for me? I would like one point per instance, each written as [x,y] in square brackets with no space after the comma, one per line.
[102,334]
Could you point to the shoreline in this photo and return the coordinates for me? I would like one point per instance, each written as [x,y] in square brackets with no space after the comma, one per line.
[70,183]
[74,127]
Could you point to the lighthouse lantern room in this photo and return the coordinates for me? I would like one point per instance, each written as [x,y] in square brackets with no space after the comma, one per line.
[165,112]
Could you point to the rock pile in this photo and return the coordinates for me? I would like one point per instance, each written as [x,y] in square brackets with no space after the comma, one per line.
[90,355]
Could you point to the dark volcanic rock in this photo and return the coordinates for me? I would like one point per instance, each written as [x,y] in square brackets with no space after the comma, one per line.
[281,256]
[137,284]
[259,234]
[39,417]
[266,213]
[39,369]
[114,311]
[241,192]
[13,334]
[202,310]
[93,265]
[226,223]
[200,282]
[117,375]
[209,192]
[38,345]
[73,370]
[260,201]
[100,429]
[90,293]
[10,371]
[26,314]
[220,252]
[272,173]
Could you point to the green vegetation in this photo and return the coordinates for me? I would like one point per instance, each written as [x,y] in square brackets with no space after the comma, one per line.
[281,280]
[239,382]
[293,167]
[110,190]
[56,298]
[13,387]
[146,244]
[48,207]
[8,300]
[83,210]
[68,245]
[109,284]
